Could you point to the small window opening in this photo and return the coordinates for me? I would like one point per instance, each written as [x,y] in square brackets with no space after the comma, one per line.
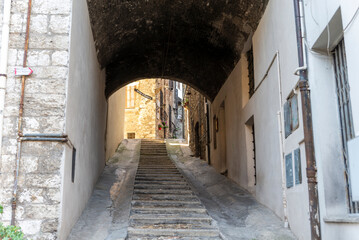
[73,164]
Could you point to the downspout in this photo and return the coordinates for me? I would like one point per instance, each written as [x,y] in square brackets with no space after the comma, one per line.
[3,59]
[21,111]
[208,134]
[311,169]
[281,142]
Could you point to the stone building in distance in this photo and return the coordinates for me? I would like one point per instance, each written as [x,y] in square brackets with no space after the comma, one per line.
[140,113]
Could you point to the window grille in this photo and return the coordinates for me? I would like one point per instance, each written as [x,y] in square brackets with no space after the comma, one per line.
[131,135]
[250,72]
[345,114]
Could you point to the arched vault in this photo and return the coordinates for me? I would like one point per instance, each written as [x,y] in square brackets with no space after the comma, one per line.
[196,41]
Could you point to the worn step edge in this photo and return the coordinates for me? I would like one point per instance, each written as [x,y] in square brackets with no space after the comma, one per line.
[173,232]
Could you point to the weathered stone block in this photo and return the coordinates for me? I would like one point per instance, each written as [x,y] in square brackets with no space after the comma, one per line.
[50,164]
[45,236]
[42,41]
[50,226]
[6,216]
[43,180]
[59,24]
[42,149]
[60,58]
[9,145]
[53,195]
[7,163]
[44,105]
[17,23]
[49,124]
[29,164]
[19,6]
[42,211]
[51,72]
[30,226]
[47,86]
[52,6]
[30,195]
[5,195]
[38,24]
[38,58]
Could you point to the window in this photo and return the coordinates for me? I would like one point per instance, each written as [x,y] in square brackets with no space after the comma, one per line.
[250,72]
[345,114]
[291,122]
[170,117]
[161,105]
[170,84]
[293,175]
[131,135]
[215,129]
[130,99]
[251,151]
[73,164]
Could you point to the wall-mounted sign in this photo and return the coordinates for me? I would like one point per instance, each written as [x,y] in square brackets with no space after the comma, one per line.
[142,94]
[23,71]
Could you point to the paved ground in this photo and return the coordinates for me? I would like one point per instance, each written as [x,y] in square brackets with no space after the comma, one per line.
[237,214]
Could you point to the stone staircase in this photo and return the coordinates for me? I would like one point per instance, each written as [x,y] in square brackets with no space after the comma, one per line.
[163,204]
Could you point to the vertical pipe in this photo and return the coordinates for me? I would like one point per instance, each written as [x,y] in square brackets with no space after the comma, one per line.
[21,112]
[208,133]
[281,142]
[307,124]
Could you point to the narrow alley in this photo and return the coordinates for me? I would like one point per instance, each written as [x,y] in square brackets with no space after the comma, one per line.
[148,191]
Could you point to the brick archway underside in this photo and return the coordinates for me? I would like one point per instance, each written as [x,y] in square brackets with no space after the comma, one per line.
[198,42]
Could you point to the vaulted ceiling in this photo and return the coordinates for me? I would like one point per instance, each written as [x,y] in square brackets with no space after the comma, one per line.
[194,41]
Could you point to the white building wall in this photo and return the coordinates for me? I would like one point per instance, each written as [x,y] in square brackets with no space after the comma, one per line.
[339,16]
[85,119]
[115,121]
[275,59]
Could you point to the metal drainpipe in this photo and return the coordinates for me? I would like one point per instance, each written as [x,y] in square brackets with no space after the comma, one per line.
[208,133]
[307,123]
[21,110]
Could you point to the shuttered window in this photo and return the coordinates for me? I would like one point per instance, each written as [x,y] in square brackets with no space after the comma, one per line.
[130,97]
[291,119]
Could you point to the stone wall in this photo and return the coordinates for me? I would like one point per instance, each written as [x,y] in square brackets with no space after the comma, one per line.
[1,18]
[141,119]
[38,206]
[196,115]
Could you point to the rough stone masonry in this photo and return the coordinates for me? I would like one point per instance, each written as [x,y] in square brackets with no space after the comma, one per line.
[39,186]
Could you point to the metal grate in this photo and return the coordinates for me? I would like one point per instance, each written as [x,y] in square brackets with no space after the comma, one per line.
[345,113]
[250,72]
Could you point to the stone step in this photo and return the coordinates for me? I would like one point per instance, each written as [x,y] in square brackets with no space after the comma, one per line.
[167,210]
[169,197]
[163,187]
[159,175]
[172,166]
[157,170]
[161,182]
[135,232]
[159,178]
[178,223]
[149,204]
[162,191]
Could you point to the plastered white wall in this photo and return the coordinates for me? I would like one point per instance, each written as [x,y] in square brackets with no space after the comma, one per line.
[328,148]
[115,121]
[275,58]
[85,119]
